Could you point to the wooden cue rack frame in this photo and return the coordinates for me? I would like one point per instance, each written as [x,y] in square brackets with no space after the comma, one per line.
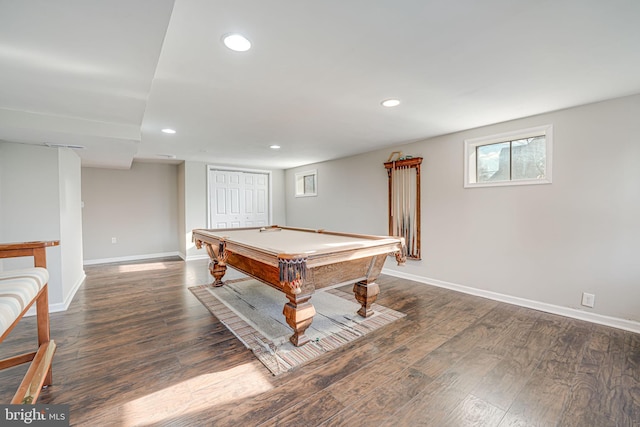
[408,226]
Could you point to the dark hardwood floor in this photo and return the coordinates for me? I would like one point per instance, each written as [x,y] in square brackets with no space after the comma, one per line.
[137,348]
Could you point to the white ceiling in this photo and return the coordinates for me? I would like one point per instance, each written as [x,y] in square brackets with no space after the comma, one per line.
[109,75]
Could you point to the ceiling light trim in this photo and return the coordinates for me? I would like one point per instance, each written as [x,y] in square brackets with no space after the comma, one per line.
[391,102]
[236,42]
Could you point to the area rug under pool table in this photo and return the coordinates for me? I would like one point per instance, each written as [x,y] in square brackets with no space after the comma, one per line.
[253,312]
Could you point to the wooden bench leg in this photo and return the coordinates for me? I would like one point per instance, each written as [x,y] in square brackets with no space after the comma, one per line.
[44,334]
[34,379]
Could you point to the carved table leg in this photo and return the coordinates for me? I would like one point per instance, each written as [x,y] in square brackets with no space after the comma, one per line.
[218,264]
[217,270]
[299,314]
[366,294]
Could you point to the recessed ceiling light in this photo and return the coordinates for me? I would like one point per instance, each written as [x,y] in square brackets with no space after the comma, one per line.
[274,147]
[236,42]
[390,103]
[167,130]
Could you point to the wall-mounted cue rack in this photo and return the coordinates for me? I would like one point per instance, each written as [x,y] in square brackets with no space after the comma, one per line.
[404,202]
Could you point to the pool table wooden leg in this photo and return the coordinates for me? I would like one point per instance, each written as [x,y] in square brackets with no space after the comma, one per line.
[218,264]
[366,294]
[217,270]
[299,313]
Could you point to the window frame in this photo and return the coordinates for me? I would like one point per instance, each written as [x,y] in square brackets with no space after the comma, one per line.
[300,183]
[470,159]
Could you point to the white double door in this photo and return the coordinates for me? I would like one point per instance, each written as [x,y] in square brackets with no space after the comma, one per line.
[238,199]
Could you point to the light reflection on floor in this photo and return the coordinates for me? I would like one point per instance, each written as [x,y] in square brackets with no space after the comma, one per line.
[142,267]
[196,394]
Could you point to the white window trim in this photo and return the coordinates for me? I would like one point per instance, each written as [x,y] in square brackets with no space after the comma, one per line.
[470,156]
[299,183]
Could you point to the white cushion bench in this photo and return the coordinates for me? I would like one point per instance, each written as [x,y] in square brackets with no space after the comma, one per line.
[19,289]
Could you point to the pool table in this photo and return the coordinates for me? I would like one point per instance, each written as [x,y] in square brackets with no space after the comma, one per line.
[297,261]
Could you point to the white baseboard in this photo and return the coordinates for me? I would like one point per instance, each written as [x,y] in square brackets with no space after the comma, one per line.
[67,302]
[130,258]
[196,257]
[614,322]
[61,306]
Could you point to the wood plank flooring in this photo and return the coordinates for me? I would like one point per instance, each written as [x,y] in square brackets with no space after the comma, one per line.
[137,348]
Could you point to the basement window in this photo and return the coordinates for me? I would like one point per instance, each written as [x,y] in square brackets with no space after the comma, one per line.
[307,183]
[521,157]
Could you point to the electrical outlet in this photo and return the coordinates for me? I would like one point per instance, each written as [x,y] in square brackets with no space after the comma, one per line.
[588,300]
[114,240]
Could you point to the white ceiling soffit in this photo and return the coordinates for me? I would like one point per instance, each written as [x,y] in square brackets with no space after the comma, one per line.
[314,78]
[79,72]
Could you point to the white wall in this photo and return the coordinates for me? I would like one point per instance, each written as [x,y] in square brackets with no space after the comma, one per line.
[72,272]
[195,202]
[30,193]
[540,245]
[150,209]
[278,202]
[182,219]
[138,206]
[40,201]
[350,193]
